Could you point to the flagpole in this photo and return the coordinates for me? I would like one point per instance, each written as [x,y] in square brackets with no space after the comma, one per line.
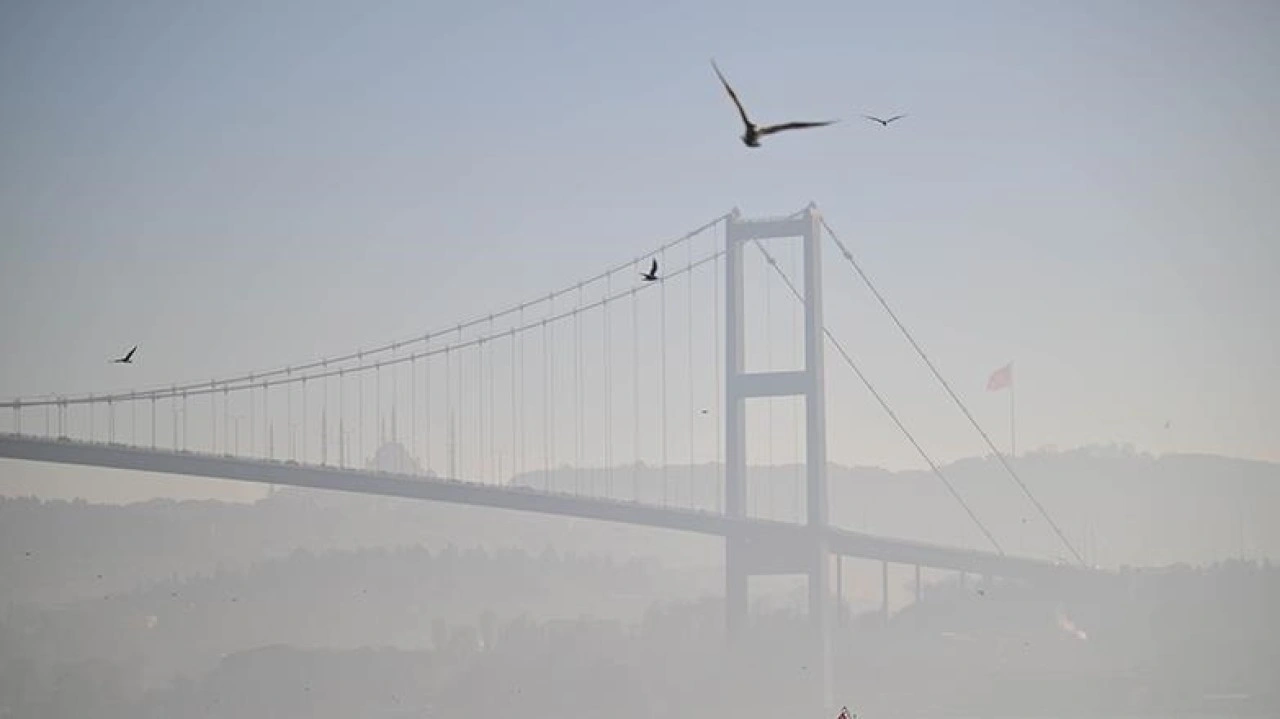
[1013,436]
[1003,379]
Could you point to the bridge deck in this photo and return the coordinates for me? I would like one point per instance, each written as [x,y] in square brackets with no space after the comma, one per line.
[840,541]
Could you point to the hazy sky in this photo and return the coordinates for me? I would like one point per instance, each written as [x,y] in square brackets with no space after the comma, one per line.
[1087,189]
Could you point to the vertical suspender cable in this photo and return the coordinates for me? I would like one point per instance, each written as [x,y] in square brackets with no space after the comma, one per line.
[797,358]
[635,394]
[662,328]
[546,409]
[716,340]
[288,396]
[551,353]
[448,415]
[355,448]
[608,389]
[493,467]
[342,421]
[524,394]
[266,422]
[690,412]
[511,473]
[577,393]
[413,407]
[426,413]
[226,421]
[394,435]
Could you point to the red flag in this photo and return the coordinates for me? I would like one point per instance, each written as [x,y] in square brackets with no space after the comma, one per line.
[1001,378]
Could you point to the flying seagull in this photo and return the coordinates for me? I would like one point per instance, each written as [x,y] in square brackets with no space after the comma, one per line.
[128,358]
[652,274]
[751,136]
[884,123]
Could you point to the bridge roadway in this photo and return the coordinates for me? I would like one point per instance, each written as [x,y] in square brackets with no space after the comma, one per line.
[761,532]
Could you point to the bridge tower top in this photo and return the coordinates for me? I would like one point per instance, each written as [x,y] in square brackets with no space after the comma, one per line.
[806,382]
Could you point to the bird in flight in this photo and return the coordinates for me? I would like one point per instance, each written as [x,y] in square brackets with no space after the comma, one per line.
[752,134]
[652,274]
[128,358]
[884,123]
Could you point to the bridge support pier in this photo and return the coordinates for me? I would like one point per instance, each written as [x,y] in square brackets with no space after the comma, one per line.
[884,591]
[743,557]
[839,590]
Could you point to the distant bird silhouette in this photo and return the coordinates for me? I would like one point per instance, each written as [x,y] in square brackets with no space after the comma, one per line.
[883,123]
[1166,424]
[652,274]
[751,136]
[127,359]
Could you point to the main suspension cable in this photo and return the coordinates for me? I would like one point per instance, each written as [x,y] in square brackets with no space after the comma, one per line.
[999,455]
[885,405]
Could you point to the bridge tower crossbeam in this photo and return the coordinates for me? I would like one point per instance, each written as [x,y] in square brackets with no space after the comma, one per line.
[811,556]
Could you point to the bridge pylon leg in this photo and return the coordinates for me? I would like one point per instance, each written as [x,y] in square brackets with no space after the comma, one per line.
[820,609]
[743,557]
[736,592]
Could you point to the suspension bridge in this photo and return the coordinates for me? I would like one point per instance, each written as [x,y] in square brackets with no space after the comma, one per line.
[576,403]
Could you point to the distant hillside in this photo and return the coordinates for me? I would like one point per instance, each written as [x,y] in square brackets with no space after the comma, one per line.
[1114,505]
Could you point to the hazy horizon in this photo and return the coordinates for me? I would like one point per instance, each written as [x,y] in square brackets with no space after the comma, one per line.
[51,481]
